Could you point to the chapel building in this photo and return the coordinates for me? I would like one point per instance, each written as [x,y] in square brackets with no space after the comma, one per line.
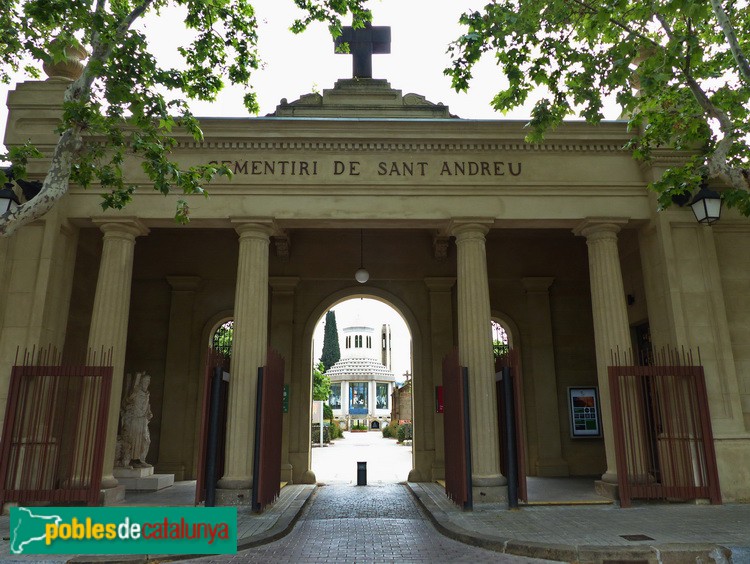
[362,383]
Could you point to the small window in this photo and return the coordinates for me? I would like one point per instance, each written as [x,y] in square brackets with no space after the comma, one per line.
[221,340]
[358,398]
[334,400]
[500,344]
[381,396]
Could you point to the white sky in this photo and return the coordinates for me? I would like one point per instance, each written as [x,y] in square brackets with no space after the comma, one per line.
[420,33]
[298,64]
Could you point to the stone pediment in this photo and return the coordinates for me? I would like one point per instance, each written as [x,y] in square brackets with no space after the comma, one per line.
[362,98]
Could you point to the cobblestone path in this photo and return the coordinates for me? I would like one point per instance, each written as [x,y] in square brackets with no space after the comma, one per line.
[358,524]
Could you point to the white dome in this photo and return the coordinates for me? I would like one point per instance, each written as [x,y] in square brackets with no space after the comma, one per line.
[359,368]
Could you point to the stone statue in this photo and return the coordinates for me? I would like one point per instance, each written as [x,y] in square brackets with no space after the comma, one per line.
[135,415]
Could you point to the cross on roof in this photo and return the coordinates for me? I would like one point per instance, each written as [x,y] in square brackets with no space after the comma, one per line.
[363,44]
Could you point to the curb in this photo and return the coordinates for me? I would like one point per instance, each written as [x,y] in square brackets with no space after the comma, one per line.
[284,524]
[583,554]
[281,528]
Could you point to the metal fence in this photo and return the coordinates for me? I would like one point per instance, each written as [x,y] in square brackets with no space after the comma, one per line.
[662,427]
[54,431]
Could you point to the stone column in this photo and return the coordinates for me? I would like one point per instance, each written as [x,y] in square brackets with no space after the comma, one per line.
[345,399]
[611,327]
[249,347]
[282,339]
[475,352]
[175,453]
[109,318]
[441,341]
[370,399]
[541,369]
[36,275]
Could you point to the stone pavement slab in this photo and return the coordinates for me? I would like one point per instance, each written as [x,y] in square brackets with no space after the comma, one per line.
[374,524]
[597,533]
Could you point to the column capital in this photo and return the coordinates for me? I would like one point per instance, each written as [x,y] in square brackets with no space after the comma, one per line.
[440,284]
[258,227]
[537,283]
[283,284]
[123,226]
[465,228]
[185,283]
[600,226]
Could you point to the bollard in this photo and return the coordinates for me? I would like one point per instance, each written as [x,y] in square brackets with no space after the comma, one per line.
[361,473]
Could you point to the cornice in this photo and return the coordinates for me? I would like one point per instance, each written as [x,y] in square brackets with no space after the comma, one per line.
[400,147]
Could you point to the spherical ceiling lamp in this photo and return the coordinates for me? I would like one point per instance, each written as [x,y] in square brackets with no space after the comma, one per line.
[361,275]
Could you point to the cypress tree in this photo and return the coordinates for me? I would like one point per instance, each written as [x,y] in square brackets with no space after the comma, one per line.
[331,351]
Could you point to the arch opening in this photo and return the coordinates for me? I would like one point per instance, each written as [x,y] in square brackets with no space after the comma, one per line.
[368,391]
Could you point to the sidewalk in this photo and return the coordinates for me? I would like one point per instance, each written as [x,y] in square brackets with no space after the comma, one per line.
[597,533]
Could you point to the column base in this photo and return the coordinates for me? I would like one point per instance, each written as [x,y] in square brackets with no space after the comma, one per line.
[489,494]
[309,478]
[415,476]
[108,481]
[112,496]
[607,489]
[234,497]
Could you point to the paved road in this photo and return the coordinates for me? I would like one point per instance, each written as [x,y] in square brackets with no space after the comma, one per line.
[387,461]
[374,523]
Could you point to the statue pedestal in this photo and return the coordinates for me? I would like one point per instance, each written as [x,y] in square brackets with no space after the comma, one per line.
[143,479]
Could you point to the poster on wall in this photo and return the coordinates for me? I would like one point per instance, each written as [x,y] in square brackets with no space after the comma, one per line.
[358,398]
[584,412]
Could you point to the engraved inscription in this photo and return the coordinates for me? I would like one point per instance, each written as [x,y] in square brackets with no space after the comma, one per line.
[373,169]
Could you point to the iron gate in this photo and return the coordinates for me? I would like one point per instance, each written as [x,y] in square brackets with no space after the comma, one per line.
[507,363]
[212,437]
[662,427]
[457,433]
[268,421]
[54,432]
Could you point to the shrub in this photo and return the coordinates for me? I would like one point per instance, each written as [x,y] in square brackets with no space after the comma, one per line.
[327,412]
[315,435]
[404,432]
[359,427]
[390,430]
[335,430]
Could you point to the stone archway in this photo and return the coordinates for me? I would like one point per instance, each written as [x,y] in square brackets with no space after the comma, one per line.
[423,445]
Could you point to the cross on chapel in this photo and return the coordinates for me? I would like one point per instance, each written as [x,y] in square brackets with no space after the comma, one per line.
[363,44]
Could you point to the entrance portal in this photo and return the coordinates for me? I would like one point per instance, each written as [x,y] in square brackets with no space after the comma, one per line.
[363,363]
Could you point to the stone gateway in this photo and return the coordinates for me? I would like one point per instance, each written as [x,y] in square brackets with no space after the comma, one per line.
[465,224]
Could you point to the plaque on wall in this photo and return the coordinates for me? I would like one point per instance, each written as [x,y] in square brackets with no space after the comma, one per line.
[583,404]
